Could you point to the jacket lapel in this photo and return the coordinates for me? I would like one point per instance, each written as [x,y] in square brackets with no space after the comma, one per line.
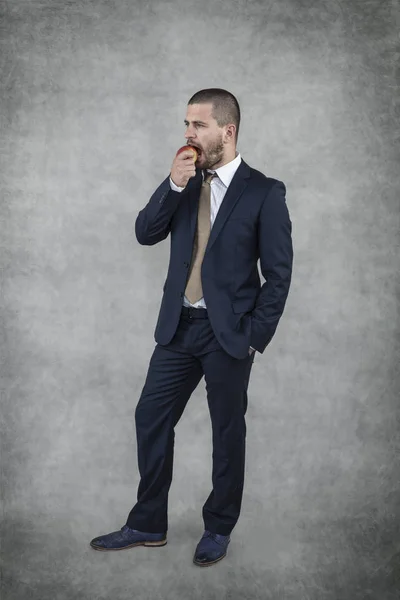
[232,195]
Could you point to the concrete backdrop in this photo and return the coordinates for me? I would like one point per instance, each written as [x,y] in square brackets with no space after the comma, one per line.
[92,105]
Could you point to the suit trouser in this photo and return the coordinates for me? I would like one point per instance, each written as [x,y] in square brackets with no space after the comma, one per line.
[174,372]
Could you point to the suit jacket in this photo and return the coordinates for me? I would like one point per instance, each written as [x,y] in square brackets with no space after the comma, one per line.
[252,223]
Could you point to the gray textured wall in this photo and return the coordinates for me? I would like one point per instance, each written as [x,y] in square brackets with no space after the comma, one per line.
[92,106]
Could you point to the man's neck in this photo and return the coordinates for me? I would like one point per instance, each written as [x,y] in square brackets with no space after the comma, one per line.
[226,159]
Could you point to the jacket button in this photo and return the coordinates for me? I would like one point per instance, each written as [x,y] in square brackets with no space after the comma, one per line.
[186,264]
[182,294]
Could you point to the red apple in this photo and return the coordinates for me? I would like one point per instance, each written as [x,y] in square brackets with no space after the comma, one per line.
[188,148]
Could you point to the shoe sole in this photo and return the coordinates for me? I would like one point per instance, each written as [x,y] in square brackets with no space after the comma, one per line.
[200,564]
[150,544]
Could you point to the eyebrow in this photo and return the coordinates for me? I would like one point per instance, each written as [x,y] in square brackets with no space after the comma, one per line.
[195,122]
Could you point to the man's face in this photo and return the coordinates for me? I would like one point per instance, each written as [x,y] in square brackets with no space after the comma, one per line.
[203,133]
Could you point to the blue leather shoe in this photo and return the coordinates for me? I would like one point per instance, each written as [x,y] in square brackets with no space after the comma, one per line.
[128,538]
[211,549]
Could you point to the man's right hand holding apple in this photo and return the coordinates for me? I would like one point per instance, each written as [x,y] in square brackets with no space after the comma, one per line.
[183,167]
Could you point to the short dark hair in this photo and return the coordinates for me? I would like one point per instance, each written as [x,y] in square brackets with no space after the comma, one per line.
[225,106]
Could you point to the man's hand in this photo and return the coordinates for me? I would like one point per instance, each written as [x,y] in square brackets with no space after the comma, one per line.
[183,168]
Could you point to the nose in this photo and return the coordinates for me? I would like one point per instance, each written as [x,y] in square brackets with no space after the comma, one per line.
[189,133]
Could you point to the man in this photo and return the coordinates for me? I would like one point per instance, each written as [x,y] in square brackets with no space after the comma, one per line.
[222,216]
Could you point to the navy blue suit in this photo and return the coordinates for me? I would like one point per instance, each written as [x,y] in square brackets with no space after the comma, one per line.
[252,223]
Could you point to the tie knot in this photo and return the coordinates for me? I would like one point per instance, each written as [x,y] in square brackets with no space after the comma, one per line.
[208,177]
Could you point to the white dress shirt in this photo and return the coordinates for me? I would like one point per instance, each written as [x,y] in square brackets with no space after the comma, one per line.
[219,185]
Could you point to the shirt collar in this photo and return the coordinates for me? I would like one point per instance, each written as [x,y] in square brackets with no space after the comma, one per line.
[226,172]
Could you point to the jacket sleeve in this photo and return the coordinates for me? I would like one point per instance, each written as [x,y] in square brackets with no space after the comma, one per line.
[276,259]
[153,222]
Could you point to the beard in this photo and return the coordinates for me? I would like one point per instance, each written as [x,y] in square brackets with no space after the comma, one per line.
[213,154]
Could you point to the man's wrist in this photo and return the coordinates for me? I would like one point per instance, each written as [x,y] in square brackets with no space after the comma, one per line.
[174,187]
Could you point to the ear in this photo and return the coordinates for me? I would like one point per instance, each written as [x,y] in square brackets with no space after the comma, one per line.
[230,132]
